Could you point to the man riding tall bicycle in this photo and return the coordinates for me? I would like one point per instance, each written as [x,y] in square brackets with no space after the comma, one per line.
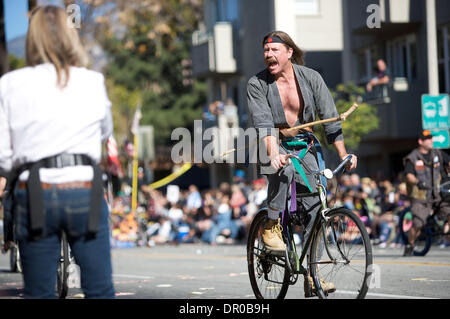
[283,95]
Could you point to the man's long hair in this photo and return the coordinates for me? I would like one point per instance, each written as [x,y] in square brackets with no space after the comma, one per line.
[298,56]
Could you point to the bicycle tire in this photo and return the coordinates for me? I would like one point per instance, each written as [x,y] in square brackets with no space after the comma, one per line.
[254,236]
[424,231]
[62,273]
[343,287]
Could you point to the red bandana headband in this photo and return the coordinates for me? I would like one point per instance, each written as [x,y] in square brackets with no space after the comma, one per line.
[273,39]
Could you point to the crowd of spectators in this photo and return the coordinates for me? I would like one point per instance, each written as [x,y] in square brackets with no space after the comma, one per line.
[224,215]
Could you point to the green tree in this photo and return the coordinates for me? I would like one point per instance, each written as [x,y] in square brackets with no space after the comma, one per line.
[146,54]
[361,122]
[15,62]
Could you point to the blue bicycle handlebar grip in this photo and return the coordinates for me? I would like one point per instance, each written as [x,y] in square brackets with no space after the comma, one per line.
[342,164]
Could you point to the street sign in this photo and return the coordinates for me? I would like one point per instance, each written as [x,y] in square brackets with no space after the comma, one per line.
[441,138]
[435,112]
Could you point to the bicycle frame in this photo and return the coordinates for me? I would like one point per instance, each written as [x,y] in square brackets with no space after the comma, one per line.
[286,215]
[319,218]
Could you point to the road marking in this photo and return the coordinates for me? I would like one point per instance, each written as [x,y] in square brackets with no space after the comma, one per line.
[192,256]
[184,277]
[425,263]
[431,280]
[196,293]
[164,286]
[383,295]
[133,276]
[206,288]
[125,294]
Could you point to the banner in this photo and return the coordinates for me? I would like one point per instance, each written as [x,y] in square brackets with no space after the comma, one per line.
[166,180]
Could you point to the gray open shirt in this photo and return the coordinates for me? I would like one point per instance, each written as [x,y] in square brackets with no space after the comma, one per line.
[267,112]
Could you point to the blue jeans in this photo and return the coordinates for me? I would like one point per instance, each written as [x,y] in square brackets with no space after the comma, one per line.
[65,210]
[224,221]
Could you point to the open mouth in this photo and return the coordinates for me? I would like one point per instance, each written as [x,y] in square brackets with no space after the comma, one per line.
[272,64]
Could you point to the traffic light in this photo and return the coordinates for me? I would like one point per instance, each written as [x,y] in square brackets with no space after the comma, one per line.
[187,72]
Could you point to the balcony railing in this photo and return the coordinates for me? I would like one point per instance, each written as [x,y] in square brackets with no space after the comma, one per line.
[380,94]
[212,51]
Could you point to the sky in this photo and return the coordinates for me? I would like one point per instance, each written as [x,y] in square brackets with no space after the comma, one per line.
[16,21]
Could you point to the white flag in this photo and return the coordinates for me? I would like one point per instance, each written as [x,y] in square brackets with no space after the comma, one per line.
[136,119]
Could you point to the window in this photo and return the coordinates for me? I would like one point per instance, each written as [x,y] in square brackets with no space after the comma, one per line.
[366,60]
[402,57]
[444,58]
[307,7]
[227,10]
[361,66]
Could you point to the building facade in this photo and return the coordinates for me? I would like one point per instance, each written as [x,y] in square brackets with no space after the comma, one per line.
[341,46]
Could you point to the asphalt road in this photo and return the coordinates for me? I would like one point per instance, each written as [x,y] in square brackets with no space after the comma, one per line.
[196,271]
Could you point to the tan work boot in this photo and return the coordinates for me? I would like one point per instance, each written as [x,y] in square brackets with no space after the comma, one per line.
[272,235]
[327,287]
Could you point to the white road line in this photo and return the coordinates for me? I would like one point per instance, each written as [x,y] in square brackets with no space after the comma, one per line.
[133,276]
[383,295]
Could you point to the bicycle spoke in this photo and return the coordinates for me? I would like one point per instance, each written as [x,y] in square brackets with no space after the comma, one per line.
[268,270]
[345,264]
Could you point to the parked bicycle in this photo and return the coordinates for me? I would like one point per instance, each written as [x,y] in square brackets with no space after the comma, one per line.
[338,249]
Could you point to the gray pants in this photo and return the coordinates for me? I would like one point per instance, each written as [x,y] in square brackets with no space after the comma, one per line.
[280,186]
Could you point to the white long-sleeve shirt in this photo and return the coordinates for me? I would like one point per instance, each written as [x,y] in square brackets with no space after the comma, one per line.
[38,119]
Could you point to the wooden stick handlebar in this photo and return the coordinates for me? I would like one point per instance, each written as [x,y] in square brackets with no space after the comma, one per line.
[341,117]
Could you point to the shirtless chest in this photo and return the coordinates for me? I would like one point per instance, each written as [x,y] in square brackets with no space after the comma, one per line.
[292,100]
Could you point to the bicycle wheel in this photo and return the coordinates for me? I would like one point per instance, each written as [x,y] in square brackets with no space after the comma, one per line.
[423,243]
[268,274]
[341,253]
[62,273]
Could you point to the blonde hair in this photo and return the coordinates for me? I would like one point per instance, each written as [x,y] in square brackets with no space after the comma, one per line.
[50,39]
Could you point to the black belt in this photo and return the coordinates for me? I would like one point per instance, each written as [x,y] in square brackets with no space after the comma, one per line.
[36,202]
[66,160]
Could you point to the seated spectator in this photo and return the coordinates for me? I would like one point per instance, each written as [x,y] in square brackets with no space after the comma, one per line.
[225,225]
[160,232]
[194,199]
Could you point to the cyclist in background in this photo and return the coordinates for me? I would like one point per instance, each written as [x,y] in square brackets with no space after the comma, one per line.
[425,168]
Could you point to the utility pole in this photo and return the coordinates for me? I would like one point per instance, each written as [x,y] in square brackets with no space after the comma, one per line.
[32,4]
[433,72]
[4,65]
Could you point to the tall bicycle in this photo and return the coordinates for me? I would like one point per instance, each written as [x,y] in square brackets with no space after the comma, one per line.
[337,250]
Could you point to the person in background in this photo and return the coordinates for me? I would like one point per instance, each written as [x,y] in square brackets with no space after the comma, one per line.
[194,199]
[424,169]
[54,114]
[382,76]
